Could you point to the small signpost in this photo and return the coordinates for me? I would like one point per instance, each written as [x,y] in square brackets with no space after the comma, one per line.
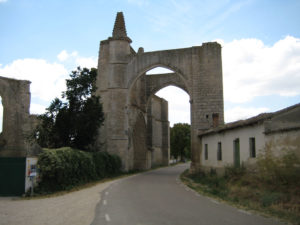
[32,175]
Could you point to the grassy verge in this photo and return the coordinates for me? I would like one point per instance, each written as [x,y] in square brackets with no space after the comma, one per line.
[246,190]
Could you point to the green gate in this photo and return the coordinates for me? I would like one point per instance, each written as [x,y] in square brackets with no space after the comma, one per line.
[12,176]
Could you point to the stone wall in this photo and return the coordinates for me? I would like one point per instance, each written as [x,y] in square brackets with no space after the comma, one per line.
[17,123]
[159,142]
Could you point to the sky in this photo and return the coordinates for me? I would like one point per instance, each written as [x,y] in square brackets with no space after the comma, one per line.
[43,41]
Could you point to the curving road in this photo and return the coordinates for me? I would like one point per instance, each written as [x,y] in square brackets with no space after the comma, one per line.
[157,197]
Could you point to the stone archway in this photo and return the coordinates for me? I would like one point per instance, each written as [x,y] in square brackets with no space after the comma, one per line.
[142,101]
[125,90]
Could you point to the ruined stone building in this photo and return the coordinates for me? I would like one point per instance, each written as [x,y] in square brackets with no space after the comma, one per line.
[17,122]
[136,123]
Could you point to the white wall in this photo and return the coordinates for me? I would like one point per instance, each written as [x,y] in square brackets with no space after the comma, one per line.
[282,142]
[227,139]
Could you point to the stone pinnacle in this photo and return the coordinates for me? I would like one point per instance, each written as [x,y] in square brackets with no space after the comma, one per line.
[119,31]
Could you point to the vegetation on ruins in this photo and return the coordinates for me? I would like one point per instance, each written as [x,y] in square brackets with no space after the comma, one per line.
[180,141]
[272,186]
[75,120]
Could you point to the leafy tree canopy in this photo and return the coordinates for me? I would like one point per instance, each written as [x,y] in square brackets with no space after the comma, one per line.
[180,140]
[75,121]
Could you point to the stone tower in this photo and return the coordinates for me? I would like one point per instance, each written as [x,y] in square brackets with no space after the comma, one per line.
[135,121]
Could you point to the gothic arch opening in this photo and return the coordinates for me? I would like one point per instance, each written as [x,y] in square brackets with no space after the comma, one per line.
[178,102]
[178,112]
[151,139]
[159,70]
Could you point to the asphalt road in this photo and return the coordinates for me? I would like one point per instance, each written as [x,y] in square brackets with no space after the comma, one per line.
[158,197]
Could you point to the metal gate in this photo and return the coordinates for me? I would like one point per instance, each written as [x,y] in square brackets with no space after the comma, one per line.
[12,176]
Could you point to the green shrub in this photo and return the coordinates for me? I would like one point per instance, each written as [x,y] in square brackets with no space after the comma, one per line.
[65,167]
[100,164]
[106,164]
[270,198]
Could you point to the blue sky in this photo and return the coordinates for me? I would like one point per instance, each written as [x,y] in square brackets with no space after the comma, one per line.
[42,41]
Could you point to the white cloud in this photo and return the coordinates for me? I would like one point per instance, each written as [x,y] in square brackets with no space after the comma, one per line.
[87,62]
[37,108]
[75,60]
[2,1]
[241,113]
[64,55]
[251,69]
[47,79]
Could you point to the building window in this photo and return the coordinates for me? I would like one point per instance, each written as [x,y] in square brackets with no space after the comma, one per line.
[236,152]
[252,147]
[219,153]
[206,152]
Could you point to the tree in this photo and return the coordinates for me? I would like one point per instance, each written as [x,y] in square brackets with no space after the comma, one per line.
[76,121]
[180,140]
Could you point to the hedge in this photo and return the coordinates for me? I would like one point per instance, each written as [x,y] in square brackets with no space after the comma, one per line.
[62,168]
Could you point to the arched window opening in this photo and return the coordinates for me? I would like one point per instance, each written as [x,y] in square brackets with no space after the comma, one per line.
[179,122]
[158,70]
[179,106]
[1,115]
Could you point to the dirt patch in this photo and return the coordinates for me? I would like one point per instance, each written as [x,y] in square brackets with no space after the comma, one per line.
[73,208]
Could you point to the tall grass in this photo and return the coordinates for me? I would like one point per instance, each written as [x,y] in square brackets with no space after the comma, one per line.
[272,187]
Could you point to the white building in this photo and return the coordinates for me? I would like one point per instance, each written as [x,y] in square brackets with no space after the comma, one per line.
[241,141]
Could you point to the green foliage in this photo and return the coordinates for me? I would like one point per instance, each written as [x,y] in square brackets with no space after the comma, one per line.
[76,121]
[270,198]
[106,164]
[64,167]
[180,140]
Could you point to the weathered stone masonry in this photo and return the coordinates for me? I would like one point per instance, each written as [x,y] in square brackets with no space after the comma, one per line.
[126,92]
[17,123]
